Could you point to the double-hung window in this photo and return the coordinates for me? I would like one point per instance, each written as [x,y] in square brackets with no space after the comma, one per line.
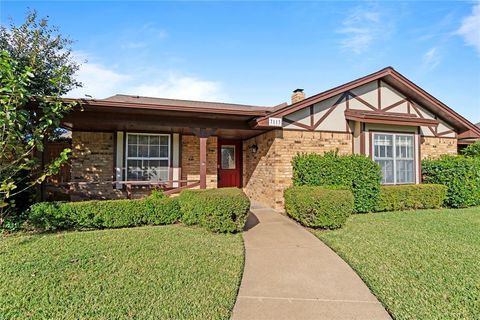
[395,153]
[147,157]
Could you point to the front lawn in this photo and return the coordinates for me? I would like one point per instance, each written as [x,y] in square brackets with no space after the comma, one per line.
[421,264]
[171,272]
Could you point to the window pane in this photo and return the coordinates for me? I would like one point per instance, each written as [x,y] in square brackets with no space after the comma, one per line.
[133,168]
[405,173]
[228,157]
[142,139]
[154,151]
[132,139]
[143,151]
[164,140]
[164,151]
[387,170]
[404,147]
[383,145]
[148,148]
[132,150]
[154,140]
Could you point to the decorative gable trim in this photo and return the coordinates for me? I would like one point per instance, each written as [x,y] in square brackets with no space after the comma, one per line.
[384,79]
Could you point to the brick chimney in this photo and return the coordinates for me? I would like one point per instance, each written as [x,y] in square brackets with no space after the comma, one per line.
[297,95]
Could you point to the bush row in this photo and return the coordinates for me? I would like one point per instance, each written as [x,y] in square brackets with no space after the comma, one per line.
[460,174]
[319,207]
[328,207]
[218,210]
[404,197]
[104,213]
[357,172]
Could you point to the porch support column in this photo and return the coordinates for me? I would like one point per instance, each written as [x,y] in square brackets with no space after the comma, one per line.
[203,134]
[203,162]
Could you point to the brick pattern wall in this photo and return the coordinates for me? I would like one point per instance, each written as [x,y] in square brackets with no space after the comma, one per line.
[191,159]
[92,162]
[432,147]
[269,172]
[258,168]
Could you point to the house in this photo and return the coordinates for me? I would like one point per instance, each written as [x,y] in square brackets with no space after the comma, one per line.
[123,145]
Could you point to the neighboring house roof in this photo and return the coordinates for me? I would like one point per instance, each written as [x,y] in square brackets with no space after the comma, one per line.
[395,79]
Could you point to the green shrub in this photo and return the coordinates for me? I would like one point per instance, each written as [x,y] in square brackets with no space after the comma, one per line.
[190,211]
[415,196]
[104,213]
[218,210]
[319,207]
[162,211]
[50,216]
[472,150]
[357,172]
[461,175]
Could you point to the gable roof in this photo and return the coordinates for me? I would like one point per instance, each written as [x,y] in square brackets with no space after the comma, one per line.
[396,80]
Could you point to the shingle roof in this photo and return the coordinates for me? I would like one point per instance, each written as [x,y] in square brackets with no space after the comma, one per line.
[190,103]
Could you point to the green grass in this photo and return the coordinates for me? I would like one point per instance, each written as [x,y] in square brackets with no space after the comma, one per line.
[421,264]
[170,272]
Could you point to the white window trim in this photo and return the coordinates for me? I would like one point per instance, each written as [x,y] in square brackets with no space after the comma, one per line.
[415,156]
[147,158]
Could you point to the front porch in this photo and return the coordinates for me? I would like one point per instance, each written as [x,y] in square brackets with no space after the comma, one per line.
[124,152]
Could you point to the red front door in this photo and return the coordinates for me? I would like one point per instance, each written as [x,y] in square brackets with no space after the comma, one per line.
[229,163]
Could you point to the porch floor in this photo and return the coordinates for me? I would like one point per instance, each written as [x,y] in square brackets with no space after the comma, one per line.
[290,274]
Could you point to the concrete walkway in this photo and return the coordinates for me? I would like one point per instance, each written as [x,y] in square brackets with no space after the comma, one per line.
[290,274]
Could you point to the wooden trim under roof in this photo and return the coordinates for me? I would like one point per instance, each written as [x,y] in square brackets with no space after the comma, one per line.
[403,119]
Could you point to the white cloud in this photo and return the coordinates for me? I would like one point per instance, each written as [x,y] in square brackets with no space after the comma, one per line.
[180,87]
[470,28]
[362,28]
[431,58]
[100,81]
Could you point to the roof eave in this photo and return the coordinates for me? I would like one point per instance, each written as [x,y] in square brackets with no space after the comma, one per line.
[132,105]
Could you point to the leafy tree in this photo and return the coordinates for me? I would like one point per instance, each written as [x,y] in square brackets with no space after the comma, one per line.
[41,47]
[36,69]
[472,150]
[25,122]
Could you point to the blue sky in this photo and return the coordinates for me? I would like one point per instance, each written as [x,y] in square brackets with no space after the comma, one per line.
[258,52]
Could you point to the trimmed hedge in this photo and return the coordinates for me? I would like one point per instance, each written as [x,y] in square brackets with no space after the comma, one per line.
[319,207]
[472,150]
[218,210]
[460,174]
[104,213]
[357,172]
[404,197]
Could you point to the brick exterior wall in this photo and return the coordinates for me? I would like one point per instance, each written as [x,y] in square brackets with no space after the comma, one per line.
[191,159]
[432,147]
[92,162]
[268,172]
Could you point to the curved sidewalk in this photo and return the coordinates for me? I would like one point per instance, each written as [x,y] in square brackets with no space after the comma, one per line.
[291,274]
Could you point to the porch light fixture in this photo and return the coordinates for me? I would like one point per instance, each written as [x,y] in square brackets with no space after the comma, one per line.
[253,148]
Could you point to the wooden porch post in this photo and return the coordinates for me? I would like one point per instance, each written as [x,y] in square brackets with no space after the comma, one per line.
[203,134]
[203,162]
